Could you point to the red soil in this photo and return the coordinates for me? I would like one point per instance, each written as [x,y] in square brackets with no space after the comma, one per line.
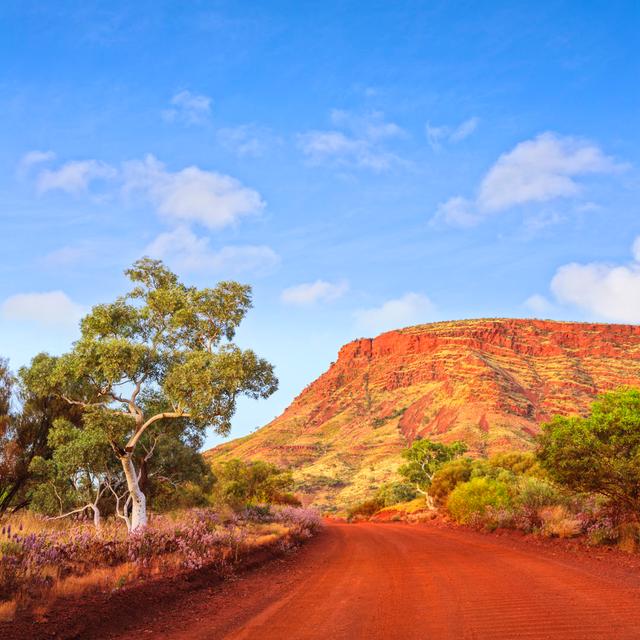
[400,581]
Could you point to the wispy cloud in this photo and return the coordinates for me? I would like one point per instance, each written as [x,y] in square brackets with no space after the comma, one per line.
[438,135]
[538,170]
[539,305]
[411,308]
[358,141]
[74,177]
[310,293]
[32,159]
[247,140]
[188,108]
[51,309]
[185,250]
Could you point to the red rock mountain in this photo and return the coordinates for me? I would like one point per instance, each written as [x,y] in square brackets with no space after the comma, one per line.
[489,383]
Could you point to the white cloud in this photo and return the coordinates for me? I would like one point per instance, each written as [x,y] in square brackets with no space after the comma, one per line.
[538,170]
[309,293]
[191,194]
[69,255]
[33,158]
[74,177]
[183,249]
[437,135]
[358,144]
[538,304]
[608,291]
[52,308]
[464,129]
[411,308]
[189,108]
[247,140]
[456,212]
[542,220]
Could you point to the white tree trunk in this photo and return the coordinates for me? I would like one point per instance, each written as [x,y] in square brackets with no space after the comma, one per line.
[138,499]
[97,520]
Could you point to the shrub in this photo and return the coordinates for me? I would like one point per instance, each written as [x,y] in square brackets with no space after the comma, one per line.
[603,532]
[365,509]
[392,493]
[599,453]
[448,477]
[472,499]
[518,462]
[532,495]
[242,483]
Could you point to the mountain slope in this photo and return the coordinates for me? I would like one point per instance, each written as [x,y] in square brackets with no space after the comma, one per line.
[489,383]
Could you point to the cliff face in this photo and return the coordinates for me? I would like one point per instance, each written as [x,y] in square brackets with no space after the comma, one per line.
[489,383]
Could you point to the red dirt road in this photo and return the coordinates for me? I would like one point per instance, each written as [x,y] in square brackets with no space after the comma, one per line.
[404,582]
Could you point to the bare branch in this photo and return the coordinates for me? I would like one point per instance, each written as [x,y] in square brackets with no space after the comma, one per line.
[70,513]
[138,434]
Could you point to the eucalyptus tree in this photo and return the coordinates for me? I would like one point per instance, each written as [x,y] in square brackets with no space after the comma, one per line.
[162,340]
[80,474]
[424,458]
[25,421]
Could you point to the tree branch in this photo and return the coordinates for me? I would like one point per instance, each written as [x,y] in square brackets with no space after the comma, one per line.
[64,515]
[138,434]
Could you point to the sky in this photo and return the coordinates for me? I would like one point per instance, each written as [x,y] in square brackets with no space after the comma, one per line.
[363,166]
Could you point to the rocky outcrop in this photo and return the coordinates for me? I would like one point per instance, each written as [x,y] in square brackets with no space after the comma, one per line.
[490,383]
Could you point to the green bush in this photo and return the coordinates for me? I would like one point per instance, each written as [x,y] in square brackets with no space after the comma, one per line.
[365,509]
[394,492]
[532,495]
[471,500]
[517,462]
[448,477]
[600,453]
[240,484]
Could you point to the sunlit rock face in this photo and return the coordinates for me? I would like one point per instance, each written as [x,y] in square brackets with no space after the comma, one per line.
[490,383]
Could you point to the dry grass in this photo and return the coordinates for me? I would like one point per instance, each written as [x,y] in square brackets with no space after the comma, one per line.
[87,562]
[629,537]
[557,522]
[8,610]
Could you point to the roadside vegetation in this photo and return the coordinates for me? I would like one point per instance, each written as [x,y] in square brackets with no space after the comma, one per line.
[101,478]
[583,479]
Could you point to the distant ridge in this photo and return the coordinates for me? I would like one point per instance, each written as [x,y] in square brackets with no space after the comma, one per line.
[489,382]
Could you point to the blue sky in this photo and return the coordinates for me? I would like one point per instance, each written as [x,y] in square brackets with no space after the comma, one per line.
[364,166]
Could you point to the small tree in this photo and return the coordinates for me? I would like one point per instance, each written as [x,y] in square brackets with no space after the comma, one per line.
[79,474]
[249,483]
[24,429]
[424,458]
[162,340]
[599,453]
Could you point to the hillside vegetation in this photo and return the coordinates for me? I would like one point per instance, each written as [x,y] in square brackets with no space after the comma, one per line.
[487,383]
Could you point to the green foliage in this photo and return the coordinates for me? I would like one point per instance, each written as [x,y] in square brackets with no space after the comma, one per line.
[391,493]
[599,453]
[474,498]
[75,475]
[517,462]
[532,494]
[365,509]
[448,477]
[240,484]
[23,435]
[424,458]
[156,356]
